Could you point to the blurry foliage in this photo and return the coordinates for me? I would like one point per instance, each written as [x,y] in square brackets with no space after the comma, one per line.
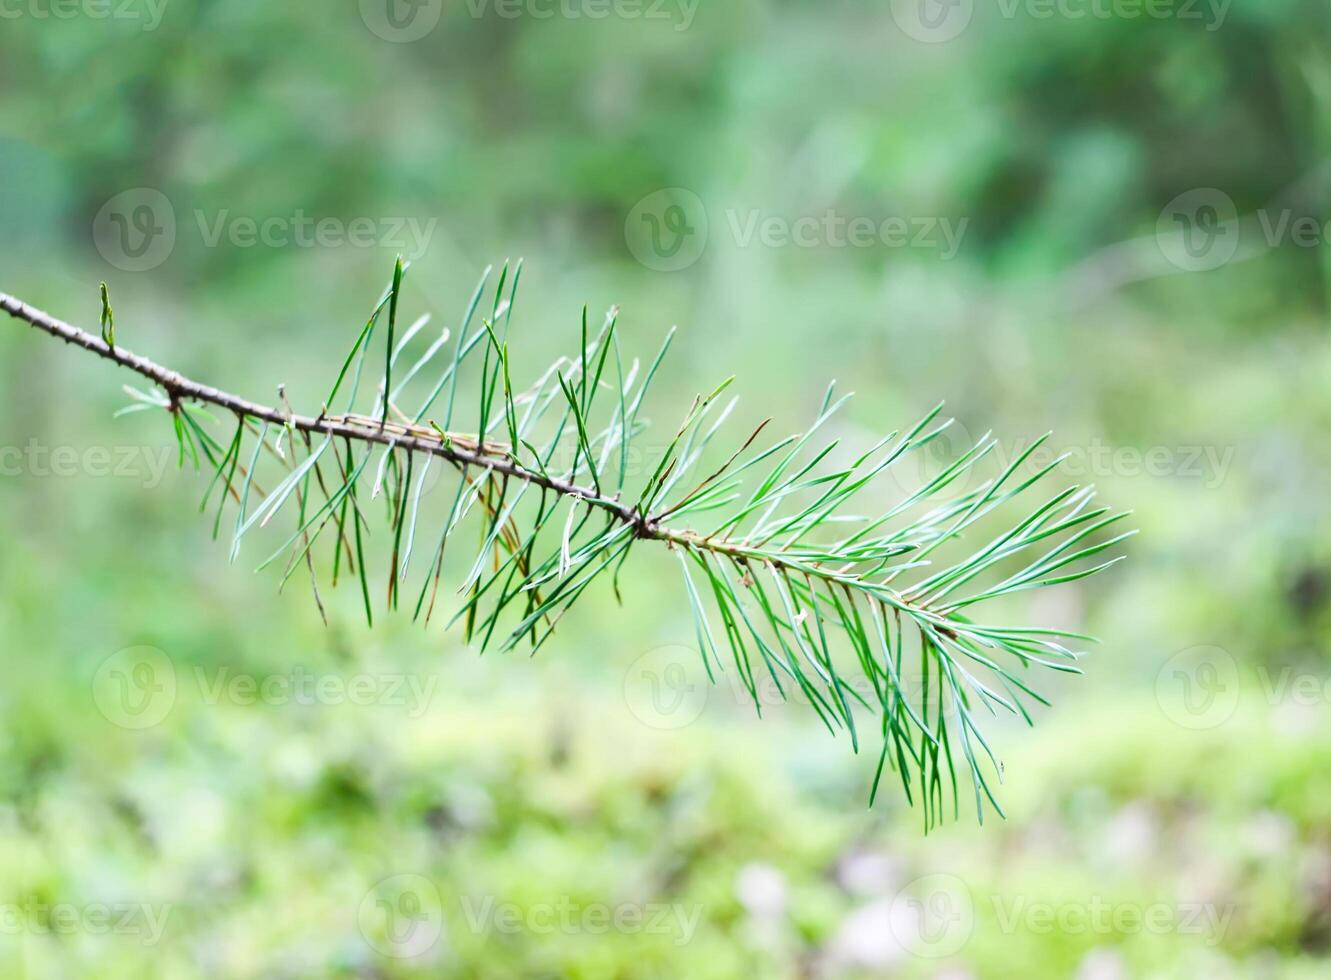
[1057,139]
[266,836]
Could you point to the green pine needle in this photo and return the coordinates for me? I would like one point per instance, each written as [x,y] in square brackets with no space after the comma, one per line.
[809,569]
[108,319]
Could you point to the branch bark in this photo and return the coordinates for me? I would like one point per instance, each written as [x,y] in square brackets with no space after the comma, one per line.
[368,430]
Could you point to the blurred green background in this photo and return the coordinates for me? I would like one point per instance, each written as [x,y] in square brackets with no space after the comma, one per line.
[1105,217]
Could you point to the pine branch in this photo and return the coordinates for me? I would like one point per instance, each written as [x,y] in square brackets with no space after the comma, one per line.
[805,593]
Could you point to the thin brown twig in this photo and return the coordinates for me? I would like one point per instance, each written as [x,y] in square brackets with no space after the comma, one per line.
[460,450]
